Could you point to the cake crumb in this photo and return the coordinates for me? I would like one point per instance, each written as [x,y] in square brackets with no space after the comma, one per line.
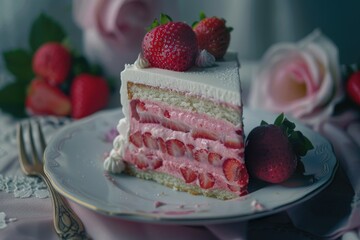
[159,204]
[256,205]
[160,194]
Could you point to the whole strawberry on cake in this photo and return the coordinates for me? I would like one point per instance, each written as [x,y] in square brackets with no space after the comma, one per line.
[183,116]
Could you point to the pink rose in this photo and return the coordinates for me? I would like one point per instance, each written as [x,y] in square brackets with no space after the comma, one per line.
[113,29]
[301,79]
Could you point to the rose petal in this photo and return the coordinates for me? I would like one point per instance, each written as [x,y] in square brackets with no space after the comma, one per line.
[301,79]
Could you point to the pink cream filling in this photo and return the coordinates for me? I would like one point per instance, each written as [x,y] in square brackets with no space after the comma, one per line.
[201,135]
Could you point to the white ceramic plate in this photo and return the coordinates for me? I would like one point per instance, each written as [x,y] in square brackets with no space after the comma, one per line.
[74,163]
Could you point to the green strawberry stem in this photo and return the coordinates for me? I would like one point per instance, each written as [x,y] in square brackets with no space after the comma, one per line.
[300,143]
[164,19]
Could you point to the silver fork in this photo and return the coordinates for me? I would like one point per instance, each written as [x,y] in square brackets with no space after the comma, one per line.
[67,224]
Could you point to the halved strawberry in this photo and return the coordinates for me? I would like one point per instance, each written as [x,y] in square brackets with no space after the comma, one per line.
[214,159]
[161,144]
[233,142]
[175,147]
[149,141]
[136,139]
[204,133]
[175,126]
[156,163]
[206,180]
[146,117]
[189,150]
[167,114]
[140,162]
[201,155]
[232,169]
[188,174]
[44,99]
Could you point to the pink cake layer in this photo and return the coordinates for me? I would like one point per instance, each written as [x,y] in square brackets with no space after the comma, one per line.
[154,125]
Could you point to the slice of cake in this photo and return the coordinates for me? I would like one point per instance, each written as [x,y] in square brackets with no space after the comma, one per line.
[183,124]
[184,129]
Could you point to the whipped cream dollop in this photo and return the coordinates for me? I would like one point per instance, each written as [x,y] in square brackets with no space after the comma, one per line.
[141,62]
[114,162]
[205,59]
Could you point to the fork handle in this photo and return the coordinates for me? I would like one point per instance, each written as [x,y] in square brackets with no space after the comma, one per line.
[67,224]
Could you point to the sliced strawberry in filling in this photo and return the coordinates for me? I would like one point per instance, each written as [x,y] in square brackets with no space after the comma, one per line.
[157,163]
[203,133]
[206,180]
[149,141]
[214,159]
[136,139]
[188,174]
[140,161]
[201,155]
[233,169]
[161,144]
[175,147]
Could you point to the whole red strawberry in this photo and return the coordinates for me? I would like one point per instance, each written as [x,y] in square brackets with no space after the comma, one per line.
[88,94]
[272,150]
[353,87]
[170,45]
[212,35]
[44,99]
[52,62]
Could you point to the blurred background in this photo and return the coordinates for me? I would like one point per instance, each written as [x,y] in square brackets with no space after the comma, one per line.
[257,25]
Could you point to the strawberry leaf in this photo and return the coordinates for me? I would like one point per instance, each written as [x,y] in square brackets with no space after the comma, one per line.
[12,98]
[18,63]
[279,120]
[202,15]
[262,123]
[45,29]
[229,29]
[301,144]
[164,19]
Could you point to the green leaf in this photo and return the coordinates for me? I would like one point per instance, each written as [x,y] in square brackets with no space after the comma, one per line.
[289,124]
[153,25]
[45,29]
[12,98]
[164,19]
[229,29]
[263,123]
[19,63]
[300,144]
[202,15]
[279,120]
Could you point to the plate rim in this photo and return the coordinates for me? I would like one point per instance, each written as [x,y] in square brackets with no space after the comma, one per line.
[146,217]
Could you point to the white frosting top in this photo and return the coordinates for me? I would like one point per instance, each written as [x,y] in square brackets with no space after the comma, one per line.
[220,82]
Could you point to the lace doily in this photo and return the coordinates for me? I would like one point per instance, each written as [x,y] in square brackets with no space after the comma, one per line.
[11,178]
[24,187]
